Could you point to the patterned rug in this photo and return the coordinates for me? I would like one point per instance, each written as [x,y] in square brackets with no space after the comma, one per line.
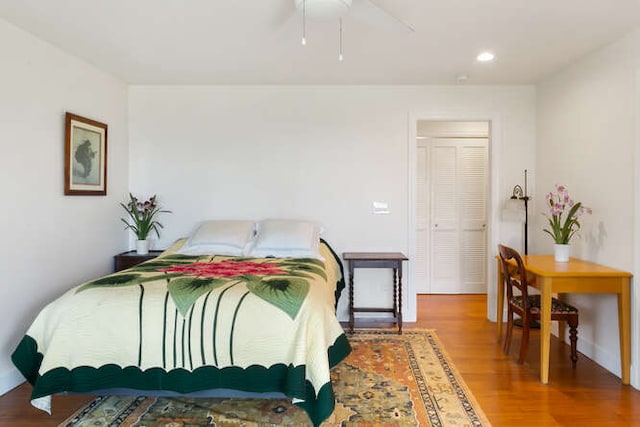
[388,380]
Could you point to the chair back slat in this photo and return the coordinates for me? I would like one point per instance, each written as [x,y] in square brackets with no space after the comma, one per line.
[514,276]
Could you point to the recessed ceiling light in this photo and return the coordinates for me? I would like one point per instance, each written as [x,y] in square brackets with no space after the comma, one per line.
[486,56]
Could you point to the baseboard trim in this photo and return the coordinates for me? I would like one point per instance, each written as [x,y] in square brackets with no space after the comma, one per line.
[603,357]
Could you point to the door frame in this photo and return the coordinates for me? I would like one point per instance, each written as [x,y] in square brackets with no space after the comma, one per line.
[493,218]
[635,294]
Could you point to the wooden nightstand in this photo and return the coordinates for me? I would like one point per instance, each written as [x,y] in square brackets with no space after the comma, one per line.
[377,260]
[130,258]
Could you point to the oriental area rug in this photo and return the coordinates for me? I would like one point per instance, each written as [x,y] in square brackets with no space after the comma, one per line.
[387,380]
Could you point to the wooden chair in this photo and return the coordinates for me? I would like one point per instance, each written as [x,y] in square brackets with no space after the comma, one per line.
[528,306]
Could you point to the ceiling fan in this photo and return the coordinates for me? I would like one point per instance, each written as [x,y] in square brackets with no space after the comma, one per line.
[366,10]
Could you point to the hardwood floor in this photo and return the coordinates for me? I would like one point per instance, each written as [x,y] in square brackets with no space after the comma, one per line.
[509,394]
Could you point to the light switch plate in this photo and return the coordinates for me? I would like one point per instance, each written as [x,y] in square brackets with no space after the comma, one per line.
[380,208]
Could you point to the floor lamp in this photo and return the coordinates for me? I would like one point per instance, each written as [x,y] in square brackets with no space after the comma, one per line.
[520,194]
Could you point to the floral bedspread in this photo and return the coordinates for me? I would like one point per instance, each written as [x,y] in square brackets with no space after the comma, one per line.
[190,323]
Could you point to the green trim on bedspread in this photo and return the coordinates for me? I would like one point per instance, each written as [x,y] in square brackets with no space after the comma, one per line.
[27,359]
[289,380]
[322,405]
[341,283]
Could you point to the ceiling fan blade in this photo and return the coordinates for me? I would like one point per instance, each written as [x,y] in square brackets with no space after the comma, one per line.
[283,14]
[375,14]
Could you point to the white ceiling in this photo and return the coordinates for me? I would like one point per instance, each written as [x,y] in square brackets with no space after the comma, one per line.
[258,41]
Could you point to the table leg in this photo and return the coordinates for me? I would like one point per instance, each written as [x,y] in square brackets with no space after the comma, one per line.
[399,298]
[395,292]
[500,304]
[624,330]
[351,319]
[545,328]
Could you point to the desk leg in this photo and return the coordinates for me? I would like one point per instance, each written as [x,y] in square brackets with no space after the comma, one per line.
[500,302]
[624,330]
[351,319]
[545,328]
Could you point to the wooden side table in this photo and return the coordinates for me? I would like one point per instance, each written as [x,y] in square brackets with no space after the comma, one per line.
[391,260]
[128,259]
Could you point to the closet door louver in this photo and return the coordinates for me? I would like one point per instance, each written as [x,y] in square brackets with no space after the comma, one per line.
[457,181]
[473,183]
[444,265]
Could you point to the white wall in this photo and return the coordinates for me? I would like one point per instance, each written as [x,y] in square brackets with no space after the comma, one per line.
[319,152]
[51,241]
[587,118]
[323,153]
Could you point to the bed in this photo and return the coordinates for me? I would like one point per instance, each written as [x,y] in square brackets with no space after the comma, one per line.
[250,309]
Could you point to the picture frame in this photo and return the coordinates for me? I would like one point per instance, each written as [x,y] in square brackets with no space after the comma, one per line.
[85,156]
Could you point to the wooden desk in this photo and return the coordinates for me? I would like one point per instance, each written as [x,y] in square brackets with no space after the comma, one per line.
[575,276]
[391,260]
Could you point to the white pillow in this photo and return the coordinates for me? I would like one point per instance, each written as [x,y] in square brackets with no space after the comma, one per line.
[282,238]
[223,237]
[211,250]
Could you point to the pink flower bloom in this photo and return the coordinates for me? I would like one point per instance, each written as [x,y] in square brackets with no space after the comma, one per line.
[226,268]
[563,215]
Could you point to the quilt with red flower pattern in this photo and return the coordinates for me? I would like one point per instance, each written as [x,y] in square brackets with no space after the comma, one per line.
[190,323]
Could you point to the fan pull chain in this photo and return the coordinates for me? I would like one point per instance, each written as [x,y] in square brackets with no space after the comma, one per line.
[304,22]
[340,56]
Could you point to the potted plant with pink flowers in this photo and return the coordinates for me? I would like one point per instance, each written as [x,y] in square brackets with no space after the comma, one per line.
[142,216]
[563,220]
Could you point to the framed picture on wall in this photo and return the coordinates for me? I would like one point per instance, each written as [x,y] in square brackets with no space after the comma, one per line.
[85,157]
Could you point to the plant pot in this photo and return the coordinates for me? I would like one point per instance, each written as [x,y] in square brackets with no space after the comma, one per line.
[561,252]
[142,247]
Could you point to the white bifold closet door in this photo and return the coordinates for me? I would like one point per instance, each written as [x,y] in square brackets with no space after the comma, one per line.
[451,210]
